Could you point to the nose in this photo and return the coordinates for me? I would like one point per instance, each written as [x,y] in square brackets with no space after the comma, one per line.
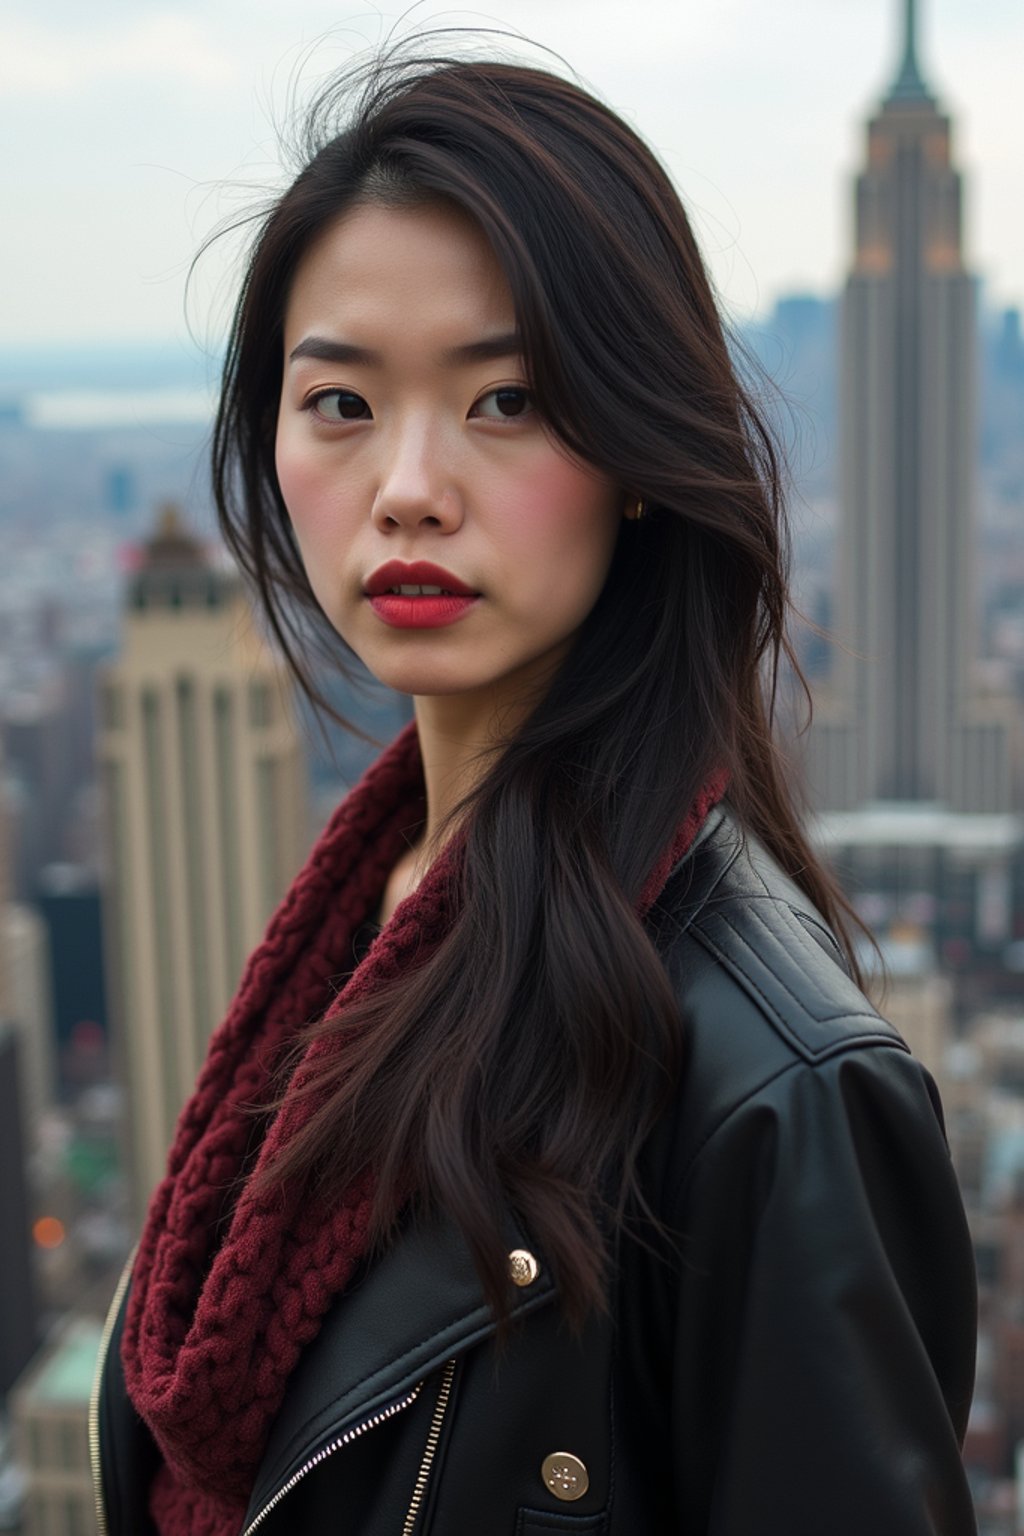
[415,487]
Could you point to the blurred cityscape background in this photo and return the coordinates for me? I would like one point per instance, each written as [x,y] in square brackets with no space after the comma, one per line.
[160,782]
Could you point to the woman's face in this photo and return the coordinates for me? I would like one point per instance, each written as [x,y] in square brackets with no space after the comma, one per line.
[406,435]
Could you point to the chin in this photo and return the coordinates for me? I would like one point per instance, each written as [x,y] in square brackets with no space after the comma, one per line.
[429,682]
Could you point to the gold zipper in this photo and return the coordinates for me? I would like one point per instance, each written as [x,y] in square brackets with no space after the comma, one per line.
[423,1476]
[94,1395]
[430,1450]
[328,1450]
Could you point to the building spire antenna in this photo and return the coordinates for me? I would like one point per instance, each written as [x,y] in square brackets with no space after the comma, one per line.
[909,84]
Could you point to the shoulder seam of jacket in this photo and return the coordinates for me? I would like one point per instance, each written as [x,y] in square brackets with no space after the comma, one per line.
[797,1064]
[855,1045]
[860,1016]
[733,960]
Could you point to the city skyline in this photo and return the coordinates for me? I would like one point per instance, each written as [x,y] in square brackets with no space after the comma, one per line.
[151,784]
[131,123]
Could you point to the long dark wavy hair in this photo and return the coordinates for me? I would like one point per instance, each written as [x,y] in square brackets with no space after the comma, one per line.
[532,1079]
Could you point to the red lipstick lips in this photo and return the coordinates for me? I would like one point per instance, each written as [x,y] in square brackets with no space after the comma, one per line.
[396,573]
[446,600]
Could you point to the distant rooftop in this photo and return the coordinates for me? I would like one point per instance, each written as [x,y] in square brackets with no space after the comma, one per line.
[172,545]
[178,570]
[916,824]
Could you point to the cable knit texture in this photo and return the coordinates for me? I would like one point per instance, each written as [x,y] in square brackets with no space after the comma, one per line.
[225,1296]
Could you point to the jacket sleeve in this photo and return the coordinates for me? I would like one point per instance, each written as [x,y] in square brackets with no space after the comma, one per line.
[825,1333]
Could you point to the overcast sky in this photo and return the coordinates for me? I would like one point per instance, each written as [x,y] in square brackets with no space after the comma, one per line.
[126,124]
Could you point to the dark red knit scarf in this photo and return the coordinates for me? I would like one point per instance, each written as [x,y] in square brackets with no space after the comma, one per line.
[218,1318]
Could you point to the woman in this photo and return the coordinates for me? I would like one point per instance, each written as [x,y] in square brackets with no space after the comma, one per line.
[550,1172]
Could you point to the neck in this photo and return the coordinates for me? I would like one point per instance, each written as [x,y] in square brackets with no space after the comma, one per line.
[458,739]
[457,744]
[459,736]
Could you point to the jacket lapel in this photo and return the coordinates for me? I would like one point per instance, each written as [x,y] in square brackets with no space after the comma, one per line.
[402,1315]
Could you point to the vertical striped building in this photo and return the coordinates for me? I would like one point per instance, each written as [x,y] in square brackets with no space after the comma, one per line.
[204,792]
[18,1316]
[905,717]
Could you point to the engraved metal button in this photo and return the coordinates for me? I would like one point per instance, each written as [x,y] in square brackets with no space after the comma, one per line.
[565,1475]
[522,1266]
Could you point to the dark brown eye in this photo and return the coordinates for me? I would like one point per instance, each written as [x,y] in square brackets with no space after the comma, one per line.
[340,405]
[503,404]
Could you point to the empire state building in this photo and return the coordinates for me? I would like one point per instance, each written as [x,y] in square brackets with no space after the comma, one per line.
[903,718]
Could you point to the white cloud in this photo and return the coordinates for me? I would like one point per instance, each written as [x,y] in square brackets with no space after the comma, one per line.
[37,60]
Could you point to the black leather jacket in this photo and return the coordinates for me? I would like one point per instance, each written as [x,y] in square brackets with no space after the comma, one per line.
[802,1362]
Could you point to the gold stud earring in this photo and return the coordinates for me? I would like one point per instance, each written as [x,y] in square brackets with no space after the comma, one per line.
[639,510]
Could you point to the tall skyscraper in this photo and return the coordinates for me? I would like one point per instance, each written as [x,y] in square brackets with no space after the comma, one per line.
[49,1409]
[26,951]
[205,800]
[904,717]
[17,1301]
[17,1291]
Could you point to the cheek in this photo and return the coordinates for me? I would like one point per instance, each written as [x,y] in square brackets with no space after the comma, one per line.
[301,480]
[309,489]
[565,524]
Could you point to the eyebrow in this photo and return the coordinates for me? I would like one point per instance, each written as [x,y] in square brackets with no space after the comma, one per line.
[488,349]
